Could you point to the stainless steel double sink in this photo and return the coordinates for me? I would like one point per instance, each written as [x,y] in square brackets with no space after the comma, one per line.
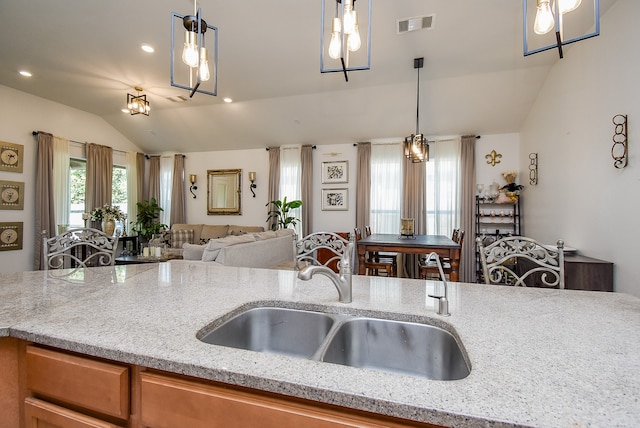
[374,343]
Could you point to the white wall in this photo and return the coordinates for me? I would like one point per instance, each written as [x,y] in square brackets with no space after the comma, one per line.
[507,145]
[581,198]
[20,114]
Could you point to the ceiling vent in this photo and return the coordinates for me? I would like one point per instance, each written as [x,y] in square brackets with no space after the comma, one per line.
[415,24]
[178,99]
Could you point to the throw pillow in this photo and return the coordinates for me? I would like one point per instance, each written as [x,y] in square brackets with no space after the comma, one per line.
[180,237]
[260,236]
[192,251]
[284,232]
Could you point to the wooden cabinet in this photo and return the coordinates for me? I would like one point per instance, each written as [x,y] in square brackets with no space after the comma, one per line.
[42,414]
[586,273]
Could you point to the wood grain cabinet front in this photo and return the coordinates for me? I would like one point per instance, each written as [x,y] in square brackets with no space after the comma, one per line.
[86,383]
[41,414]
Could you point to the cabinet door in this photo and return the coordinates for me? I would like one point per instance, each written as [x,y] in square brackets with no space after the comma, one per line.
[40,414]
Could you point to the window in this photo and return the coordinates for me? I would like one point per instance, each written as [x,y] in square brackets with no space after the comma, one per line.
[386,188]
[290,180]
[443,187]
[77,180]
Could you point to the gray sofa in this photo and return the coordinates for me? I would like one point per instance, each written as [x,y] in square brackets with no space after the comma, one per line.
[259,250]
[199,234]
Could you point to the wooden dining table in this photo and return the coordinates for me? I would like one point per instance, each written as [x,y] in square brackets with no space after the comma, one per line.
[442,245]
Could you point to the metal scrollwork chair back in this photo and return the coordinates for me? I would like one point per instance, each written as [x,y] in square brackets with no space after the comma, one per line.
[516,260]
[331,245]
[79,248]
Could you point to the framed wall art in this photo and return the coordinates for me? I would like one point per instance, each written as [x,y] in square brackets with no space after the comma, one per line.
[335,172]
[11,195]
[335,200]
[10,236]
[11,157]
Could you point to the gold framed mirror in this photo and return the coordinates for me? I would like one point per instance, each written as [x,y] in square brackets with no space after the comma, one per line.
[224,191]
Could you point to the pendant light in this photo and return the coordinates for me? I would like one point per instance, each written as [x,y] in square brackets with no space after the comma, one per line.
[416,146]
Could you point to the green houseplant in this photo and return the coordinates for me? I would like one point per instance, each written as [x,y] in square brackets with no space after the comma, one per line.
[279,213]
[148,220]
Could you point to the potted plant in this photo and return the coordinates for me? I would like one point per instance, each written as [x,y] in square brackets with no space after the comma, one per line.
[148,219]
[107,215]
[279,213]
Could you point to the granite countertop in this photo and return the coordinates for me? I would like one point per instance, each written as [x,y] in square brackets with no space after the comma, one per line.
[538,357]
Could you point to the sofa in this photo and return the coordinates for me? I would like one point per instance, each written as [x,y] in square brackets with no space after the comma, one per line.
[271,249]
[200,234]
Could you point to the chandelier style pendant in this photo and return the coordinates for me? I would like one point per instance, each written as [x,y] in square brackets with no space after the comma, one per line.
[138,104]
[345,38]
[416,146]
[195,67]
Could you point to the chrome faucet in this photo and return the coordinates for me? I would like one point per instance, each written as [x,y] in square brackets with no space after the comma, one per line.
[341,281]
[443,301]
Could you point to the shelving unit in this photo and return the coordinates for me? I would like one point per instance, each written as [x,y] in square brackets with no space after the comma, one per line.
[495,221]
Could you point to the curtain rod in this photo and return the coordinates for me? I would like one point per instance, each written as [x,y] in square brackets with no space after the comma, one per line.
[34,133]
[313,147]
[431,141]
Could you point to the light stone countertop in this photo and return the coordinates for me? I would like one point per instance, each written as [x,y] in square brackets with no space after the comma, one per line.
[551,358]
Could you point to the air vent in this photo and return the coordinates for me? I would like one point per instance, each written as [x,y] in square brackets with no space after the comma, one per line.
[178,99]
[415,24]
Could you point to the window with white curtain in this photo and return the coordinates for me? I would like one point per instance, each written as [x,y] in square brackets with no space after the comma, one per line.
[386,187]
[443,187]
[291,180]
[166,183]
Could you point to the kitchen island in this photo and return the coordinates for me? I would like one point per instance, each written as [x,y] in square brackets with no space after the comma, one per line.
[538,357]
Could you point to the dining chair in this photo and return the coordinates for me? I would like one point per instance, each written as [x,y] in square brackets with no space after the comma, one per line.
[377,262]
[322,248]
[79,248]
[428,268]
[521,261]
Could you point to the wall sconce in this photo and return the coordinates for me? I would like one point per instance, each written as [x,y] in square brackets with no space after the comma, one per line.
[570,22]
[192,179]
[252,178]
[619,150]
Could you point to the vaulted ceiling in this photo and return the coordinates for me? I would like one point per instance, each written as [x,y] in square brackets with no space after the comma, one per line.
[86,54]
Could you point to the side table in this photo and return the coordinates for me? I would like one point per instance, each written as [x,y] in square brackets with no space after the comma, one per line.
[129,245]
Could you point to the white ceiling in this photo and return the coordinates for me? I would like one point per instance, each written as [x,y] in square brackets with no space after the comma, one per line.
[86,54]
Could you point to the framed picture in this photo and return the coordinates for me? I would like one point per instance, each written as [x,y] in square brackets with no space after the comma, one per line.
[11,157]
[11,195]
[335,172]
[334,200]
[10,236]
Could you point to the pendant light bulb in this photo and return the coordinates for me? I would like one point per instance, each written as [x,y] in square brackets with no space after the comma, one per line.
[190,50]
[205,74]
[353,41]
[566,6]
[349,17]
[544,18]
[334,45]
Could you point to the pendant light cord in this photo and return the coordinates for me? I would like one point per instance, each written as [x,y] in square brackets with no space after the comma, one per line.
[418,105]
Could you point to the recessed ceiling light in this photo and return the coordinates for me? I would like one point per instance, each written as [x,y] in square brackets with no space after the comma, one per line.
[227,100]
[25,73]
[147,48]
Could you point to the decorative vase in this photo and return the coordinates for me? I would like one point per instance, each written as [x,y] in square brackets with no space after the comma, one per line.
[109,227]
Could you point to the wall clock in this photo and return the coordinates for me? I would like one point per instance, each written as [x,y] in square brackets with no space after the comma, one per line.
[11,157]
[10,236]
[11,195]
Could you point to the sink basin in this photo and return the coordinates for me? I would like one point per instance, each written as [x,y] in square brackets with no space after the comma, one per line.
[373,343]
[276,330]
[397,346]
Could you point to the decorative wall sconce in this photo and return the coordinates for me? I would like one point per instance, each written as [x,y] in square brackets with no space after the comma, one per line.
[619,150]
[192,179]
[252,179]
[533,169]
[493,158]
[199,48]
[571,22]
[138,104]
[341,43]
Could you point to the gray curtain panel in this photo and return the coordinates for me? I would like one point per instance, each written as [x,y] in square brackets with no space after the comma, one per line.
[99,177]
[177,191]
[363,186]
[467,218]
[154,178]
[44,196]
[306,182]
[274,178]
[140,166]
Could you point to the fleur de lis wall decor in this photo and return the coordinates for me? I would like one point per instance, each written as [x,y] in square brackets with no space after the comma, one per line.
[493,158]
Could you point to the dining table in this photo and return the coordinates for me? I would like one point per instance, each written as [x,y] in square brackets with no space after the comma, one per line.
[442,245]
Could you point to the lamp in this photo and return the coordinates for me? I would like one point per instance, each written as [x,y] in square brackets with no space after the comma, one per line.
[199,47]
[416,146]
[571,22]
[138,104]
[341,40]
[192,179]
[252,179]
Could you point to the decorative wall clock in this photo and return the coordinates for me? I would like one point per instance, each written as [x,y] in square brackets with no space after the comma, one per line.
[11,195]
[10,236]
[11,157]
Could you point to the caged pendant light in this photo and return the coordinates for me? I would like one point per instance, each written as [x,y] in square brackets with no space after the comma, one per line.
[195,67]
[138,104]
[416,146]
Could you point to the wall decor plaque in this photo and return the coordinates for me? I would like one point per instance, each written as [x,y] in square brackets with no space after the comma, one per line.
[10,236]
[11,157]
[11,195]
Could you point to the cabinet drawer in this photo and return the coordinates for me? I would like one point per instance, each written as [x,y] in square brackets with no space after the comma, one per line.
[93,385]
[40,414]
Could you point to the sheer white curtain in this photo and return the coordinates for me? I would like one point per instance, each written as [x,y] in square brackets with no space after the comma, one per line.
[443,187]
[61,180]
[166,183]
[132,187]
[290,180]
[386,187]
